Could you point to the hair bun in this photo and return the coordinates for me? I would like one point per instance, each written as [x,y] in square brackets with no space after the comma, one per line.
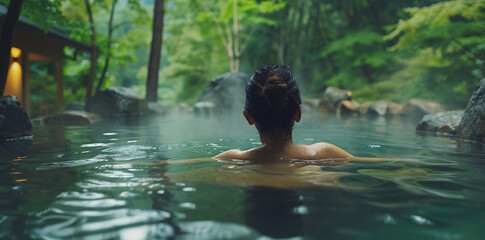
[275,92]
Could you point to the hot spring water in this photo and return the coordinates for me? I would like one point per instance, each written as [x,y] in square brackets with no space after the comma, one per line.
[123,181]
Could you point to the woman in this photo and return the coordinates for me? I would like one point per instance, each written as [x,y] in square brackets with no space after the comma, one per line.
[273,105]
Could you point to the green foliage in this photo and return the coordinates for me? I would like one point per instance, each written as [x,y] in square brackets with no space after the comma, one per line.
[44,13]
[193,55]
[43,86]
[379,49]
[362,52]
[130,39]
[236,32]
[447,45]
[426,22]
[348,43]
[76,74]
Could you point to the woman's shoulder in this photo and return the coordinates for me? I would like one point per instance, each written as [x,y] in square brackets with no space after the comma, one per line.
[236,154]
[323,150]
[230,154]
[320,150]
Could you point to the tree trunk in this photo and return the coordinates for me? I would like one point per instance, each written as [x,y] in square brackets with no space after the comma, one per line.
[108,52]
[367,73]
[155,53]
[6,40]
[237,53]
[92,70]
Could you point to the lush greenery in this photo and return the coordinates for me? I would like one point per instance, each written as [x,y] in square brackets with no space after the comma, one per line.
[379,49]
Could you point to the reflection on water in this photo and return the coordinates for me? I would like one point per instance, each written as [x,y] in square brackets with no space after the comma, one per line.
[126,181]
[274,212]
[268,175]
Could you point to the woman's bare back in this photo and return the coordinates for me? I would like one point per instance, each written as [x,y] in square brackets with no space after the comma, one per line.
[268,153]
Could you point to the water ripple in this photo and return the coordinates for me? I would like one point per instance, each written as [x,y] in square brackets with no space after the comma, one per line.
[100,184]
[57,223]
[215,230]
[70,163]
[81,195]
[93,204]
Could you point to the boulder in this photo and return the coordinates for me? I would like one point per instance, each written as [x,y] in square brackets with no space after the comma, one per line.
[364,107]
[72,117]
[14,121]
[331,99]
[378,108]
[205,108]
[75,106]
[184,107]
[224,93]
[38,121]
[420,107]
[394,108]
[158,109]
[443,122]
[348,107]
[117,102]
[472,125]
[311,103]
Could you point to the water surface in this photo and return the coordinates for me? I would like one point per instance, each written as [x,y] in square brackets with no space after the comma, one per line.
[123,181]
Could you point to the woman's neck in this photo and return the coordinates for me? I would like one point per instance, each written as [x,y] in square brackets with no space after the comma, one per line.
[276,138]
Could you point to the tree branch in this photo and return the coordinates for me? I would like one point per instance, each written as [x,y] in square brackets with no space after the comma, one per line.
[92,70]
[244,46]
[218,25]
[120,24]
[108,55]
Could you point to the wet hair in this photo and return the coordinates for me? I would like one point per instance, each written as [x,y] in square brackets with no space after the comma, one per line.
[272,98]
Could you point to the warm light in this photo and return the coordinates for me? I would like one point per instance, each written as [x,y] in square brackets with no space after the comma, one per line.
[14,81]
[15,52]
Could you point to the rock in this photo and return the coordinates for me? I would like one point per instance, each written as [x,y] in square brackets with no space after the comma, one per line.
[205,108]
[184,107]
[394,108]
[158,109]
[443,122]
[331,99]
[75,106]
[348,107]
[73,118]
[420,107]
[225,92]
[117,102]
[311,103]
[14,121]
[364,107]
[472,125]
[38,121]
[378,108]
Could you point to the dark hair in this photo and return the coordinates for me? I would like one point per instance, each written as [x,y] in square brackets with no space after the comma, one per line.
[272,98]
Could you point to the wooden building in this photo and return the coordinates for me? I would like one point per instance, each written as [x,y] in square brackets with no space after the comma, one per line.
[32,44]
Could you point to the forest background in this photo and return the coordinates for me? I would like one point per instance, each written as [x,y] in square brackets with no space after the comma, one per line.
[378,49]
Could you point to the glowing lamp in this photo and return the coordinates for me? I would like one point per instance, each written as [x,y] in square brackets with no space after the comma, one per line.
[14,77]
[15,52]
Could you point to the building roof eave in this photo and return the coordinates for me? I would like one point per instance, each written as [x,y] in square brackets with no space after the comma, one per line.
[54,32]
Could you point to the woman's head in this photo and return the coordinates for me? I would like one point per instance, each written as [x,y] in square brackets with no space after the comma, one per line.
[272,98]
